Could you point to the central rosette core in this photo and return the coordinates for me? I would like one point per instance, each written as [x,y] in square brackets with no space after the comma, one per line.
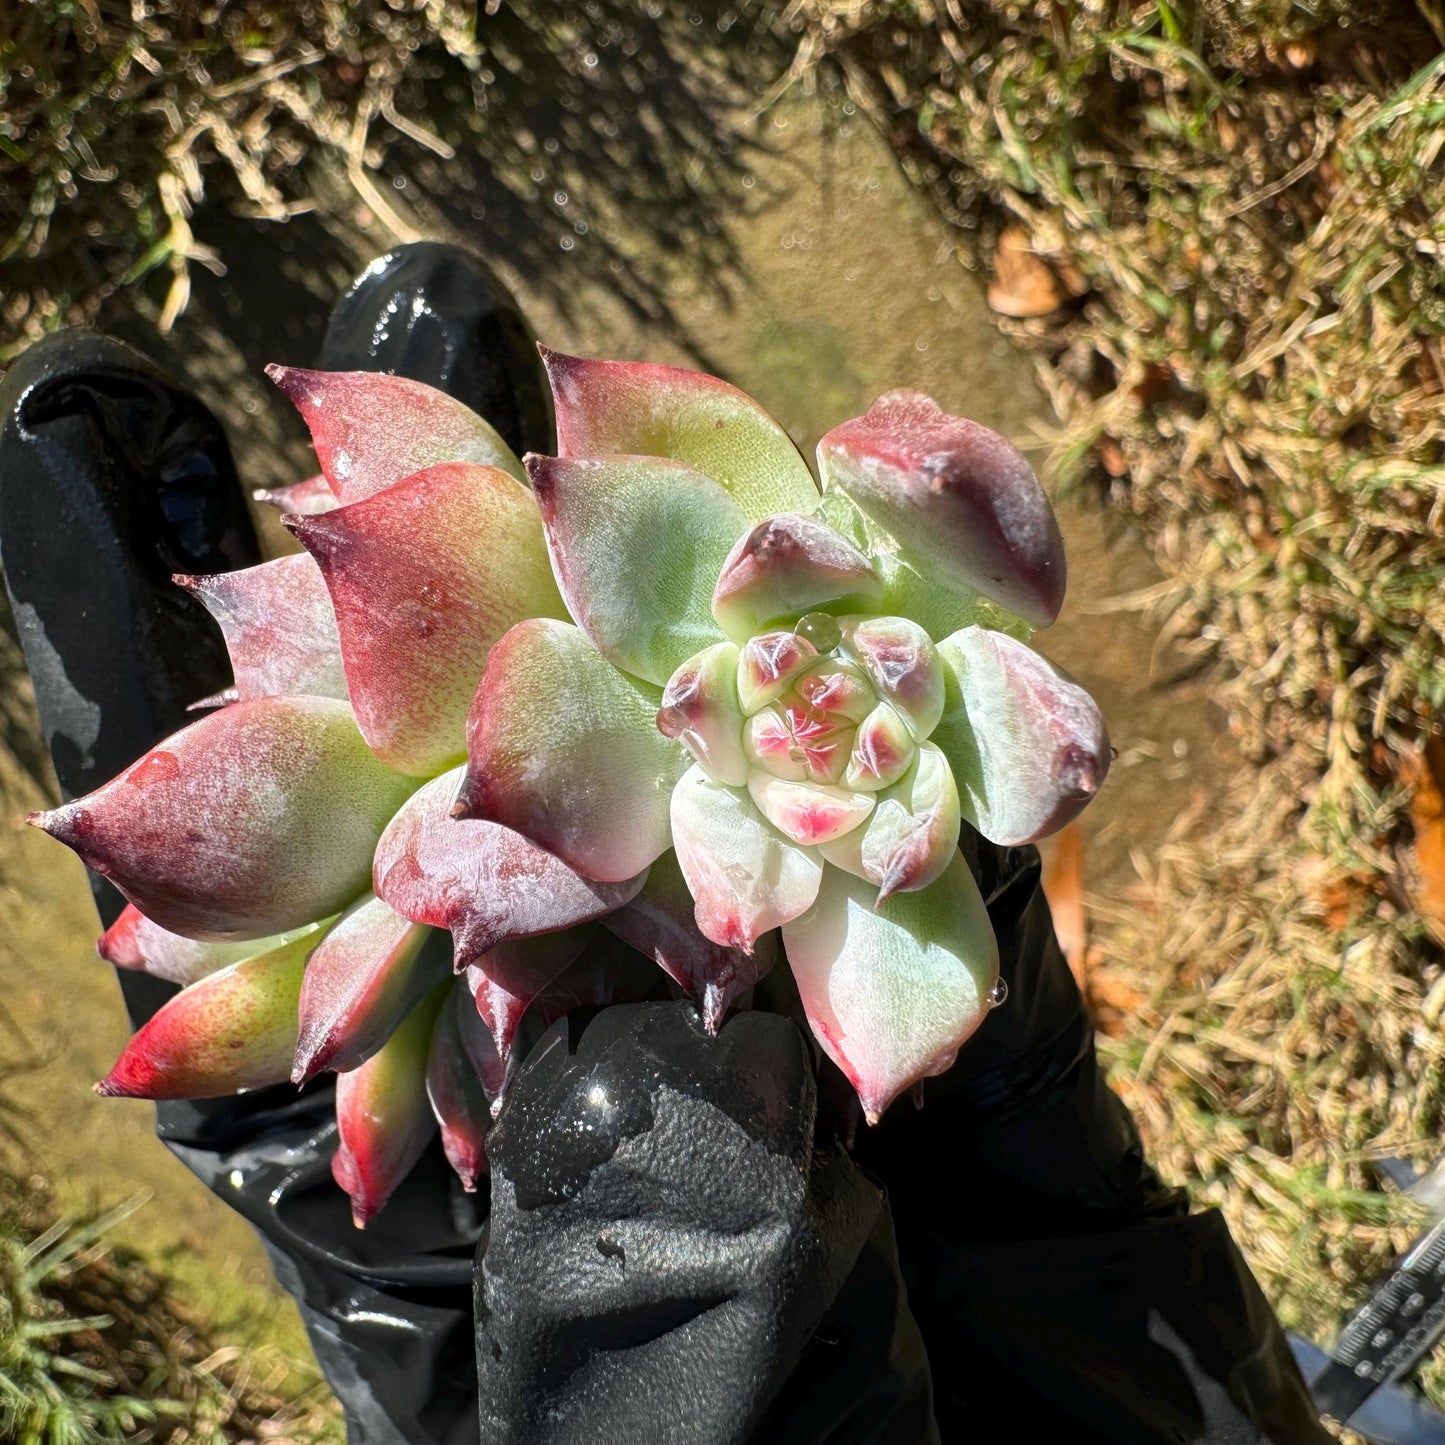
[816,719]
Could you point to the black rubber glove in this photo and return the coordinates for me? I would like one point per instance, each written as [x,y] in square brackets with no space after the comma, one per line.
[1044,1259]
[679,1250]
[111,479]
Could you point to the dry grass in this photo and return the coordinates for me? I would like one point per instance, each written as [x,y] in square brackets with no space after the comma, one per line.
[94,1350]
[139,139]
[1241,210]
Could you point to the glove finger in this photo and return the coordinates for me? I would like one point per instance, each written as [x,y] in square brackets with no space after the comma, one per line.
[112,479]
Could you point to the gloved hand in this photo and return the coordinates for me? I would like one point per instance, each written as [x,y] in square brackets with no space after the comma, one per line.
[680,1246]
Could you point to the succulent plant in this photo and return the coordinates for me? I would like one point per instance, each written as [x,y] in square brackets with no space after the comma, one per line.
[670,687]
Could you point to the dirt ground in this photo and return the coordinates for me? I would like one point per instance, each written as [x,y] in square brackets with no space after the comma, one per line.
[851,288]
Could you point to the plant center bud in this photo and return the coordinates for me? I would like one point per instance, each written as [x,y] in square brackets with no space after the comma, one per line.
[833,704]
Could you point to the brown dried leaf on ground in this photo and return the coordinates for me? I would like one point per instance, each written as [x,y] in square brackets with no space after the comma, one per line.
[1107,998]
[1424,774]
[1063,883]
[1024,284]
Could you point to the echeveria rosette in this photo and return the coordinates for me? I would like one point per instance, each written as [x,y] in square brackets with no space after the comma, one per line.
[785,702]
[289,858]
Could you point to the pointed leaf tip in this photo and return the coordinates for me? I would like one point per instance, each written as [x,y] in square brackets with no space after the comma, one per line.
[661,923]
[306,497]
[233,828]
[458,1099]
[372,429]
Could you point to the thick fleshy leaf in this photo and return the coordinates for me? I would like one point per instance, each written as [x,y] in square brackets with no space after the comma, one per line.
[232,1031]
[279,628]
[504,982]
[1027,745]
[883,750]
[458,1100]
[808,813]
[960,500]
[634,408]
[662,923]
[924,596]
[304,498]
[425,577]
[371,429]
[476,1036]
[700,708]
[786,566]
[767,666]
[366,976]
[383,1115]
[893,988]
[564,748]
[636,543]
[912,833]
[902,661]
[133,941]
[745,877]
[482,882]
[257,819]
[796,743]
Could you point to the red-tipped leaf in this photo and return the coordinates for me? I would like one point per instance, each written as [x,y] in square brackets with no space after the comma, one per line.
[232,1031]
[425,576]
[1027,745]
[958,499]
[363,979]
[279,627]
[635,408]
[383,1116]
[661,922]
[371,429]
[257,819]
[484,883]
[458,1100]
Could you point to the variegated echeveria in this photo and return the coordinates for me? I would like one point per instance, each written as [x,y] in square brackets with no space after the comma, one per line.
[714,707]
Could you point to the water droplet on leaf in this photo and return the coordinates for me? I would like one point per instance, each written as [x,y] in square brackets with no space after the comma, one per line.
[821,629]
